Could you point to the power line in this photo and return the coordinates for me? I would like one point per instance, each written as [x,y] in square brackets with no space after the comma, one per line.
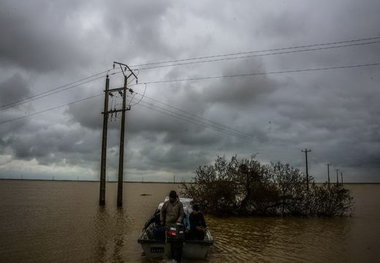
[189,120]
[224,58]
[53,91]
[49,109]
[187,116]
[258,51]
[198,121]
[67,86]
[264,73]
[160,109]
[197,117]
[48,94]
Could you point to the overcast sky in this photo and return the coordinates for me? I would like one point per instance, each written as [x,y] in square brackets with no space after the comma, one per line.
[180,125]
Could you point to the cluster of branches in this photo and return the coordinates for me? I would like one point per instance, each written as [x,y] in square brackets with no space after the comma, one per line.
[247,187]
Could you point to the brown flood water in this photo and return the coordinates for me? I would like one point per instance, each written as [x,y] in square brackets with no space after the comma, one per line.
[51,221]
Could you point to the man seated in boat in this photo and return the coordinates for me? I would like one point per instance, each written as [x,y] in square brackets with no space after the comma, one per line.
[172,210]
[197,224]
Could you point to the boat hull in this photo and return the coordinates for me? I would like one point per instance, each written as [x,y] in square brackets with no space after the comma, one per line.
[195,249]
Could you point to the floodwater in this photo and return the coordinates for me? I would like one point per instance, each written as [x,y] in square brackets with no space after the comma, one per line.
[52,221]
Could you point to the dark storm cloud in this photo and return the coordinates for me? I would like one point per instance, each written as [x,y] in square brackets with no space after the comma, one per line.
[332,112]
[54,144]
[84,114]
[13,89]
[169,157]
[241,91]
[140,25]
[37,35]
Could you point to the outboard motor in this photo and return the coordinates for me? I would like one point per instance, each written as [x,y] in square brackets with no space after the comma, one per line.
[175,233]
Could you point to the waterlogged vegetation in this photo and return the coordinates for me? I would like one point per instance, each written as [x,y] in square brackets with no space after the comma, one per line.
[248,187]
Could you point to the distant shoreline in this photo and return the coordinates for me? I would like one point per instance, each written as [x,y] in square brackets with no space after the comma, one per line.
[139,182]
[88,181]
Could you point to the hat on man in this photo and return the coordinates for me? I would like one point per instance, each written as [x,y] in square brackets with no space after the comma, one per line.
[173,194]
[196,207]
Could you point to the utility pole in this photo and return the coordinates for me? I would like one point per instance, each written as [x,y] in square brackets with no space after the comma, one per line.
[102,191]
[307,168]
[121,148]
[127,72]
[337,177]
[328,174]
[341,178]
[122,130]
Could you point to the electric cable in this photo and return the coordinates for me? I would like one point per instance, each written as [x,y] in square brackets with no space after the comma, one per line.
[255,55]
[61,87]
[258,51]
[49,109]
[264,73]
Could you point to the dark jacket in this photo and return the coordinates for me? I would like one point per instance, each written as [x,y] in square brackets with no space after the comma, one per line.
[196,220]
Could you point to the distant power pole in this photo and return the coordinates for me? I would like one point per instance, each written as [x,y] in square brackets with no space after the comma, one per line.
[307,168]
[328,174]
[337,177]
[127,72]
[341,178]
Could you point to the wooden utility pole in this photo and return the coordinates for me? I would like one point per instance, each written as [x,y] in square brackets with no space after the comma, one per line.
[125,69]
[307,168]
[341,178]
[328,175]
[121,149]
[102,192]
[127,72]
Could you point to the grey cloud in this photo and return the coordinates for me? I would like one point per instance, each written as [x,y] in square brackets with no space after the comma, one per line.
[170,157]
[40,38]
[13,89]
[332,112]
[54,144]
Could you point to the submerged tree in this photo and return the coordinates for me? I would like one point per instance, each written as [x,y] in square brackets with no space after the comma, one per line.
[248,187]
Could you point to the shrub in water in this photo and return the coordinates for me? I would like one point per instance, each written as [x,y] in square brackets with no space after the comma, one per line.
[247,187]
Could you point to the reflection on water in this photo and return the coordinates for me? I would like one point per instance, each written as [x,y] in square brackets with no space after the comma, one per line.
[61,222]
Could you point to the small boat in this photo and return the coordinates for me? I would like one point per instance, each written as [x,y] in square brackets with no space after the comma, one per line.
[195,249]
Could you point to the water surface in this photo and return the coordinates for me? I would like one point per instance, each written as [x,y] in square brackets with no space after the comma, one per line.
[52,221]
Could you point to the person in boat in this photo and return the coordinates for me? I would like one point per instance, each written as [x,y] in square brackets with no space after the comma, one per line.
[157,231]
[197,224]
[154,219]
[172,213]
[186,222]
[172,210]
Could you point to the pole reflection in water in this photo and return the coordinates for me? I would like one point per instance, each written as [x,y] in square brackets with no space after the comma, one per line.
[121,229]
[101,220]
